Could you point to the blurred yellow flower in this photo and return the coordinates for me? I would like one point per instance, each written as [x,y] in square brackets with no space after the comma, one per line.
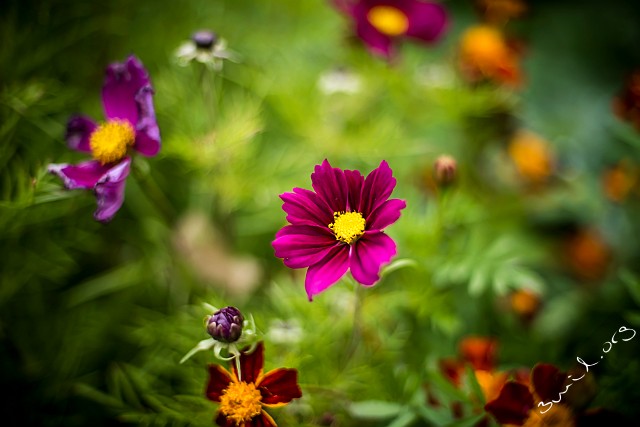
[485,54]
[531,156]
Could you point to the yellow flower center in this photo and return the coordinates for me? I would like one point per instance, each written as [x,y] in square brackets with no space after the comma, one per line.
[110,141]
[388,20]
[556,416]
[240,402]
[347,226]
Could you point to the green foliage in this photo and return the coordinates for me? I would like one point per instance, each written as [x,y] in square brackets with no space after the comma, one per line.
[95,318]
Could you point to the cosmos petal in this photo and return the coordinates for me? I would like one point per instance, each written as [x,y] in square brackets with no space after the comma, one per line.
[368,255]
[377,188]
[355,180]
[306,207]
[84,175]
[385,214]
[303,245]
[147,133]
[327,271]
[122,83]
[427,21]
[78,134]
[331,185]
[110,191]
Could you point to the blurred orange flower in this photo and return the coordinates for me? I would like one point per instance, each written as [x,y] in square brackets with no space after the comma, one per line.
[587,254]
[619,180]
[500,11]
[486,55]
[531,156]
[525,303]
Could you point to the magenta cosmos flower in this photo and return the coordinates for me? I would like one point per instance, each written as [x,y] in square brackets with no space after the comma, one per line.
[380,23]
[127,98]
[339,226]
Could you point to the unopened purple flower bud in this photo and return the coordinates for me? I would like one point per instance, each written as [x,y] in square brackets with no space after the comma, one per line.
[225,324]
[445,170]
[204,39]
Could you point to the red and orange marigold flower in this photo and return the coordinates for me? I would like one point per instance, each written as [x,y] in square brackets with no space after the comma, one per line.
[243,395]
[485,55]
[339,227]
[381,23]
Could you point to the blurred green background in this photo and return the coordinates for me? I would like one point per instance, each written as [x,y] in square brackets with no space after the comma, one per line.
[95,317]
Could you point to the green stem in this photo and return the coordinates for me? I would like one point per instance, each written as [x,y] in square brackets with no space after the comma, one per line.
[154,194]
[356,331]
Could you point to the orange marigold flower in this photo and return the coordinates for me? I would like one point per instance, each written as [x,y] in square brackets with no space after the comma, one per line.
[587,255]
[531,156]
[242,395]
[500,11]
[619,180]
[525,302]
[486,55]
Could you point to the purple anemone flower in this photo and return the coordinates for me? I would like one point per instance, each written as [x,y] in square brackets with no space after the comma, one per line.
[339,227]
[127,97]
[380,23]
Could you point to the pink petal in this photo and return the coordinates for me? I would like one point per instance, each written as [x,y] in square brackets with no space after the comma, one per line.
[122,83]
[78,135]
[368,254]
[306,207]
[331,185]
[303,245]
[110,191]
[385,214]
[327,271]
[377,188]
[427,21]
[147,132]
[377,43]
[354,185]
[84,175]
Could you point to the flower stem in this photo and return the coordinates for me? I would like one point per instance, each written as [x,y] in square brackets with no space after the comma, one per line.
[153,193]
[356,331]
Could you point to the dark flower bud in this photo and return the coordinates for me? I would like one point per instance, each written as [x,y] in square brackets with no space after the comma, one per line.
[204,39]
[225,324]
[445,170]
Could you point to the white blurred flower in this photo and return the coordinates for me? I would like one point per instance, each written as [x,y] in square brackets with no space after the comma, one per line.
[436,76]
[339,80]
[284,331]
[206,48]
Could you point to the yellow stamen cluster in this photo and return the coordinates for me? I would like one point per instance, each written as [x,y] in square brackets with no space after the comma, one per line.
[347,226]
[388,20]
[110,141]
[240,402]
